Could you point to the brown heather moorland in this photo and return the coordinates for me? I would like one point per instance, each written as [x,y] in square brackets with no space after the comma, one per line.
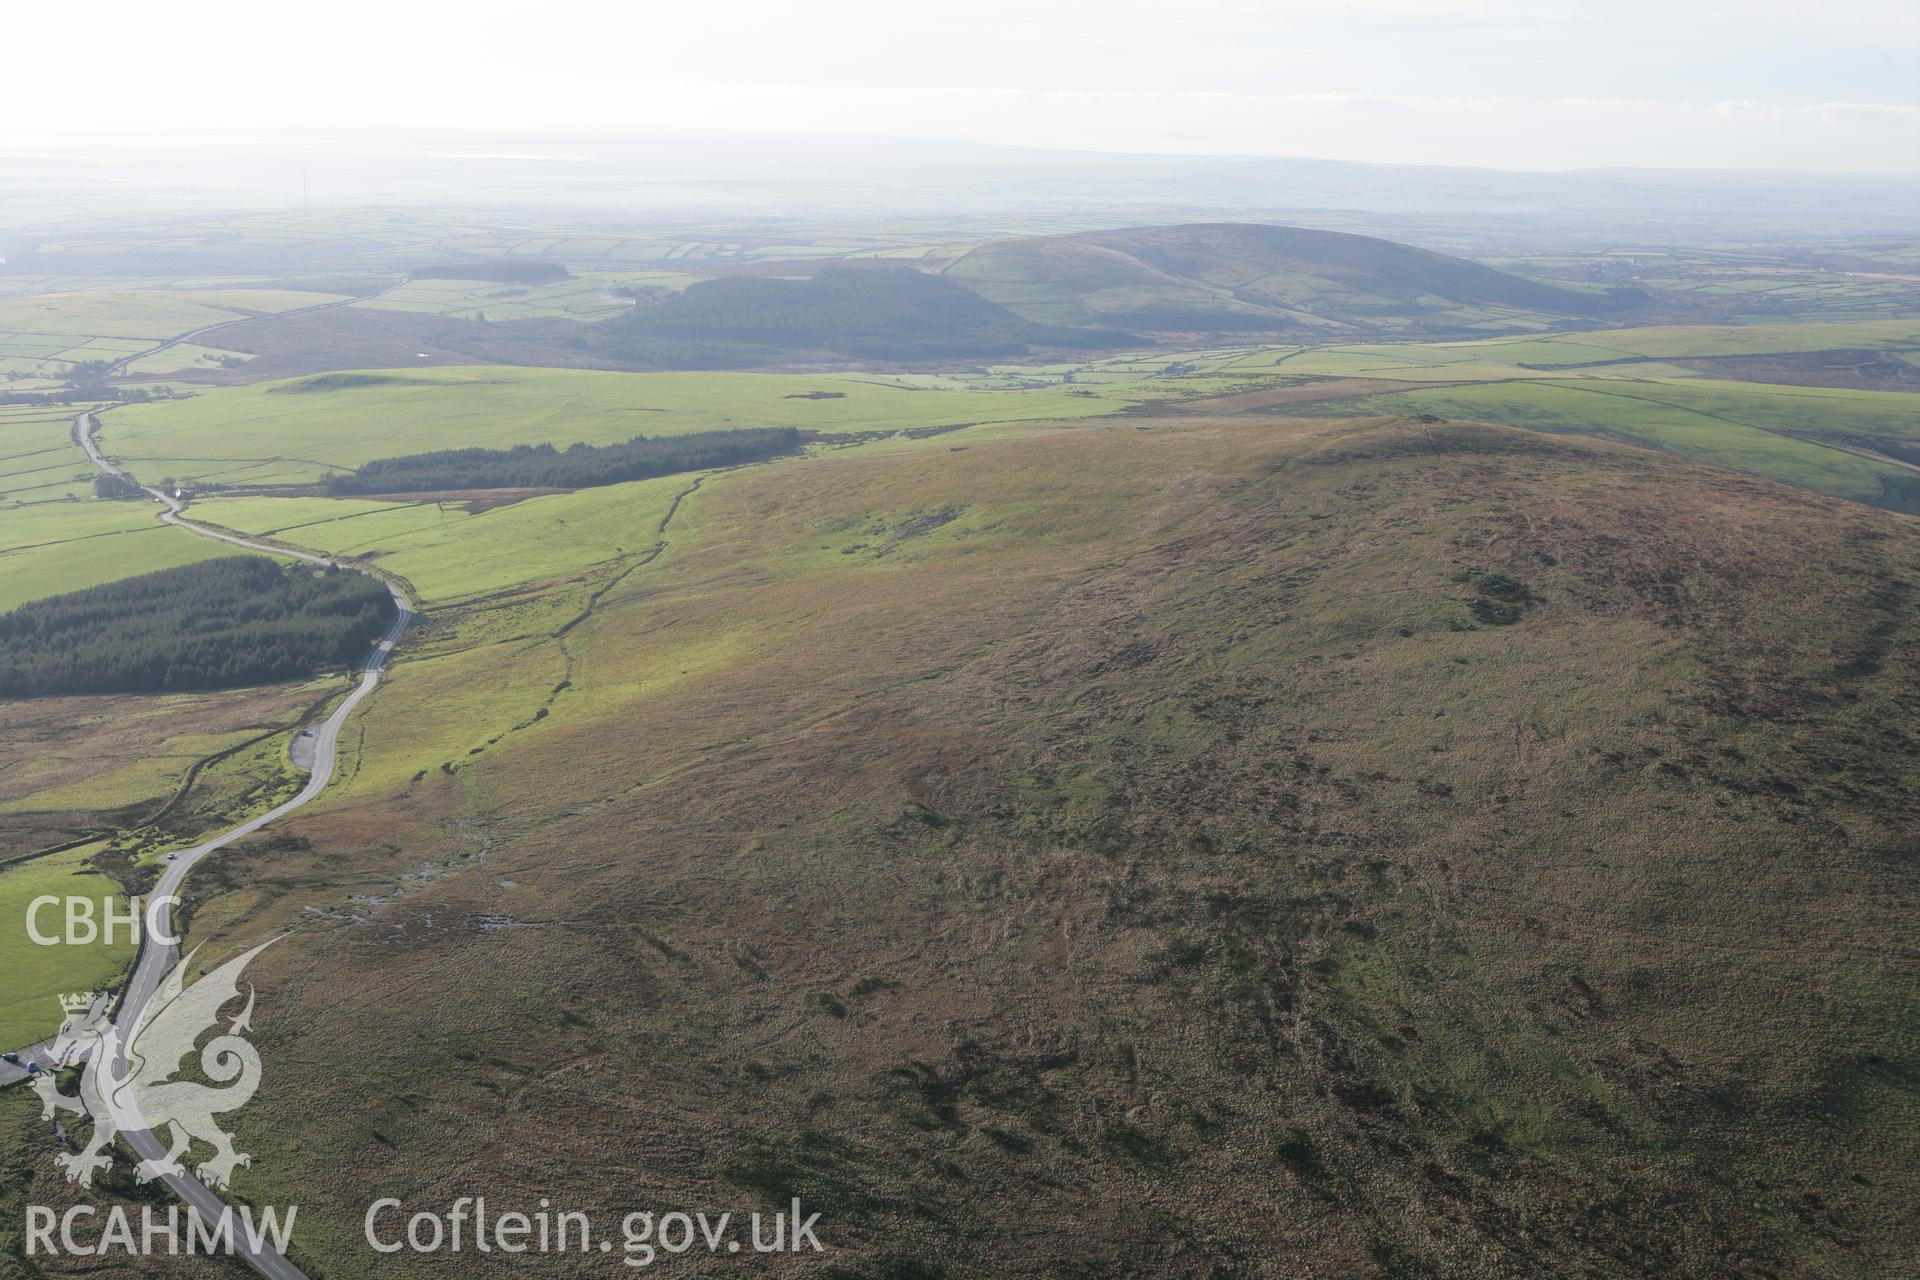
[70,767]
[1187,847]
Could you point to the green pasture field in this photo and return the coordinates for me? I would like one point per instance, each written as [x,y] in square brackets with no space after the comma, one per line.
[26,283]
[55,536]
[48,356]
[45,333]
[185,356]
[1607,382]
[309,426]
[46,551]
[448,553]
[36,975]
[42,475]
[1533,356]
[1683,341]
[1902,257]
[34,426]
[146,314]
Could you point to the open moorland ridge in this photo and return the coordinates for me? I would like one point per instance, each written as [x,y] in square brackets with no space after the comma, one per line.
[1219,749]
[1171,845]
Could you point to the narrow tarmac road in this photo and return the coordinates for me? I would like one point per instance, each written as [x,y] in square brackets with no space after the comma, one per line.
[156,959]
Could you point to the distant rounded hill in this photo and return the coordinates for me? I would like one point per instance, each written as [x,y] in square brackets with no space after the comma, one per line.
[886,313]
[1089,291]
[1248,277]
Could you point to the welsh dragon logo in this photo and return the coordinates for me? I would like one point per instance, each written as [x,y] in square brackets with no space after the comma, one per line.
[129,1083]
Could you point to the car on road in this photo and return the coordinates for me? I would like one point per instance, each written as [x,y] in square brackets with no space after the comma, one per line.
[14,1058]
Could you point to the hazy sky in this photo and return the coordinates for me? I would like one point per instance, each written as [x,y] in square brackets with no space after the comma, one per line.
[1512,83]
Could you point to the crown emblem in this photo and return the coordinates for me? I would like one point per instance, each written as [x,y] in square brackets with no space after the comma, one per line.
[78,1002]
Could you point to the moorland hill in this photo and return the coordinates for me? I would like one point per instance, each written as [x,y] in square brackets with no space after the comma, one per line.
[1248,277]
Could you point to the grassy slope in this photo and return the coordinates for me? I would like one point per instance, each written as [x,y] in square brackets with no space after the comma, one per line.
[1102,837]
[342,423]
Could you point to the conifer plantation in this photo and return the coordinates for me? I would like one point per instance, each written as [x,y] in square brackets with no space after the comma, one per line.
[578,466]
[218,624]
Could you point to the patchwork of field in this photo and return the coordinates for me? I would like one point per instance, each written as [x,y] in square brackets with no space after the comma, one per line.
[1669,342]
[268,241]
[295,431]
[29,283]
[1746,295]
[583,297]
[38,461]
[1654,386]
[1840,281]
[271,244]
[1557,354]
[45,334]
[55,536]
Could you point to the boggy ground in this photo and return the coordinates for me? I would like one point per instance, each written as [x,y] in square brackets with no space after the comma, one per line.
[1171,848]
